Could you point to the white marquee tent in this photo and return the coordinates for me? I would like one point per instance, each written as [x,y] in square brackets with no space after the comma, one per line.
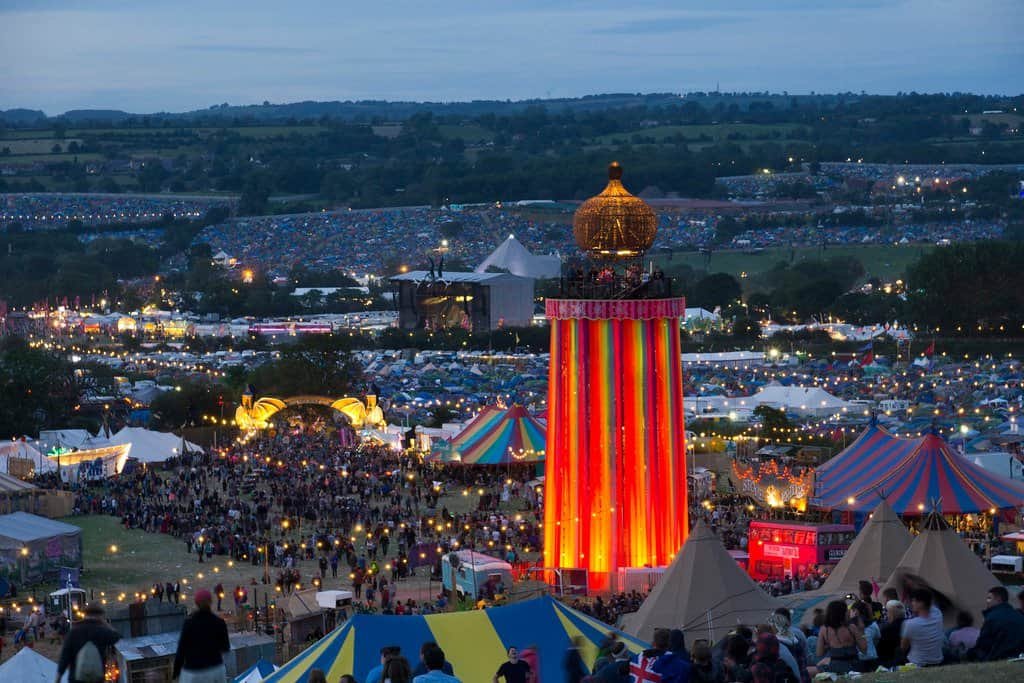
[513,257]
[150,446]
[799,400]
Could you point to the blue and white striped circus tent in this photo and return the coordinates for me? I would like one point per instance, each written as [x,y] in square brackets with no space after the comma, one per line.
[475,642]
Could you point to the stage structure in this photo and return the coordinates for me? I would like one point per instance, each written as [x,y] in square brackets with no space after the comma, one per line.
[473,301]
[256,414]
[615,490]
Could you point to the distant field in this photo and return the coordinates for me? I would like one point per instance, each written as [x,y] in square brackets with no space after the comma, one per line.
[20,134]
[715,132]
[50,158]
[469,133]
[35,145]
[880,260]
[244,131]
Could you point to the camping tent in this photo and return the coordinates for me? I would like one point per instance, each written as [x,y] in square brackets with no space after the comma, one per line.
[150,446]
[32,547]
[256,673]
[475,642]
[910,473]
[704,592]
[873,555]
[940,560]
[513,257]
[28,666]
[499,436]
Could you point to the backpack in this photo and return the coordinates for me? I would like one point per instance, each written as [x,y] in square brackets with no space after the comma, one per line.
[89,664]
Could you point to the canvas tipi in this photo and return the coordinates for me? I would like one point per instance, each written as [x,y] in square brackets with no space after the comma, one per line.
[703,592]
[940,560]
[873,555]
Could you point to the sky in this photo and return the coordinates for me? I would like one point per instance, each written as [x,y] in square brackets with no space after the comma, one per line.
[177,55]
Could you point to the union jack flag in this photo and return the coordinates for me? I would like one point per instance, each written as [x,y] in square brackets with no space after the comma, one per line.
[642,670]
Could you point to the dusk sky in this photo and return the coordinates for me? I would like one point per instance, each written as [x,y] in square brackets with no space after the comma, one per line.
[160,55]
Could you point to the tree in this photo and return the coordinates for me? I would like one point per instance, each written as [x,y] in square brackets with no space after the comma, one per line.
[773,420]
[255,193]
[39,387]
[316,364]
[717,289]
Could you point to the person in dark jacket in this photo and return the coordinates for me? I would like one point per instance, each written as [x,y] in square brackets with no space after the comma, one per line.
[575,670]
[201,647]
[1002,634]
[91,629]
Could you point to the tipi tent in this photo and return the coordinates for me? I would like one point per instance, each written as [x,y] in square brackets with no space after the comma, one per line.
[28,666]
[873,555]
[940,560]
[703,592]
[513,257]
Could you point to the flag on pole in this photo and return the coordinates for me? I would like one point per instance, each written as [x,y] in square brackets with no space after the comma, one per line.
[930,351]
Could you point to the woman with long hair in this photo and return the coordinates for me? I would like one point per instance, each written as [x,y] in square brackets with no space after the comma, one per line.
[839,642]
[397,670]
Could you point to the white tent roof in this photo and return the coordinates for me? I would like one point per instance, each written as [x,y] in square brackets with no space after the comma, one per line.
[69,438]
[797,399]
[512,256]
[21,449]
[28,666]
[150,446]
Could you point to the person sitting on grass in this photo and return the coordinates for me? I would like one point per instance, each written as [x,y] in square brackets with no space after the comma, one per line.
[1002,634]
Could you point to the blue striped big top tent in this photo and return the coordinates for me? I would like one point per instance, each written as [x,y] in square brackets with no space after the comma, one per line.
[475,642]
[911,475]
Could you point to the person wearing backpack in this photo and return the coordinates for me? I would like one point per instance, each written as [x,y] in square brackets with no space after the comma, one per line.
[84,654]
[202,644]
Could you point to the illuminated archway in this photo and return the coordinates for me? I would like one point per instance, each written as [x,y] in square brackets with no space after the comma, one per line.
[253,415]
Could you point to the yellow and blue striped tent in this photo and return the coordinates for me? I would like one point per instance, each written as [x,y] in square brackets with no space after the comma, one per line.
[474,642]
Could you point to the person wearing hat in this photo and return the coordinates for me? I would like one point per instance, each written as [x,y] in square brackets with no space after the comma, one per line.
[202,644]
[92,629]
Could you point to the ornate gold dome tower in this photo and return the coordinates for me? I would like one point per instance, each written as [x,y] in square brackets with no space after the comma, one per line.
[615,224]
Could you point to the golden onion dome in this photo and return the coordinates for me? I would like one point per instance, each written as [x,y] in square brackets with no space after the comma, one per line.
[615,224]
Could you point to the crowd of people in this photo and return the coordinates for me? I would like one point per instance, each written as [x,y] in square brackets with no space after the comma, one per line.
[56,210]
[360,516]
[354,241]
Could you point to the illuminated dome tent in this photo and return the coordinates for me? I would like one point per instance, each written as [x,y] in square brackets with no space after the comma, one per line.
[615,490]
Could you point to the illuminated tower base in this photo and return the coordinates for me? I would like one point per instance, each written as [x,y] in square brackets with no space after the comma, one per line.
[615,490]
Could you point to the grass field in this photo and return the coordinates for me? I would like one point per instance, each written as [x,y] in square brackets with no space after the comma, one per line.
[49,158]
[996,672]
[140,558]
[36,145]
[880,260]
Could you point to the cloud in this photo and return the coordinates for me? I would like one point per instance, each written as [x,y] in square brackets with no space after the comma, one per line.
[250,49]
[673,24]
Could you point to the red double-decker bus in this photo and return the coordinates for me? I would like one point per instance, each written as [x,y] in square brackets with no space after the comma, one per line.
[783,549]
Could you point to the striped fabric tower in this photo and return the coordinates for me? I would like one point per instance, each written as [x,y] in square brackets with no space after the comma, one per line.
[615,489]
